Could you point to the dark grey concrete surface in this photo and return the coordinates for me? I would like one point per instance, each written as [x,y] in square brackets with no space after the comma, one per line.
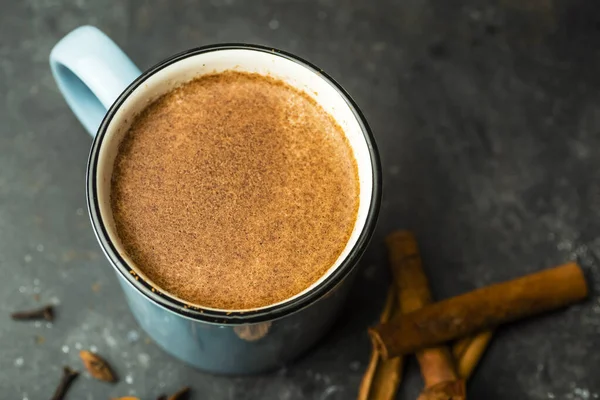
[487,115]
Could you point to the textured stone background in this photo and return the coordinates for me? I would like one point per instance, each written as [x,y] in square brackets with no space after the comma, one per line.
[487,115]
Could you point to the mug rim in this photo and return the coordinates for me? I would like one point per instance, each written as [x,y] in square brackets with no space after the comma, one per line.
[223,316]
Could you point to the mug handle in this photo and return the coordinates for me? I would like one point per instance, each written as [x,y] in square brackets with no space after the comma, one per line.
[91,71]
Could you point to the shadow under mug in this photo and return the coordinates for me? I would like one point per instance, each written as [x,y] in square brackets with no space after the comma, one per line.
[106,90]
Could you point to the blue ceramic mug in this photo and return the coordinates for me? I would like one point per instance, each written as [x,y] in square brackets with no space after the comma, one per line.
[106,91]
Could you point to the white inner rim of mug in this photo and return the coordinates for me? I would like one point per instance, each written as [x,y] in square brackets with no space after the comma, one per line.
[245,60]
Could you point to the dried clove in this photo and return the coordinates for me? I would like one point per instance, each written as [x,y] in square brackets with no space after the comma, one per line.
[46,313]
[68,377]
[97,366]
[180,395]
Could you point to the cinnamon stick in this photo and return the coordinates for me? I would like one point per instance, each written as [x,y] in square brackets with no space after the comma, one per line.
[382,377]
[481,309]
[468,351]
[437,366]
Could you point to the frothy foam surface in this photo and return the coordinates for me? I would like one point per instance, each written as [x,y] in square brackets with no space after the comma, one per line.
[234,191]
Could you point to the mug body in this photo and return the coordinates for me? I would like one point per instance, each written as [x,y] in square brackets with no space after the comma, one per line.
[237,348]
[230,341]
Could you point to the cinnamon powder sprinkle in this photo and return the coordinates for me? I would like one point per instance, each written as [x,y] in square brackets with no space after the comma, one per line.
[234,191]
